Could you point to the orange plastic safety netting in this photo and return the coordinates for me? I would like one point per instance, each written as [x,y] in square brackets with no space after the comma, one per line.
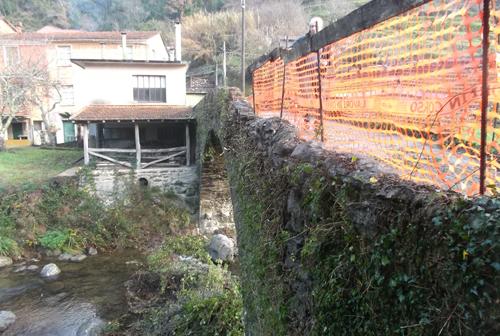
[406,91]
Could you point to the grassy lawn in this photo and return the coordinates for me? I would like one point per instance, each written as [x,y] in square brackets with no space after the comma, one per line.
[23,167]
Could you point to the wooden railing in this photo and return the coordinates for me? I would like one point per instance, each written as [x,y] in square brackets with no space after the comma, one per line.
[145,158]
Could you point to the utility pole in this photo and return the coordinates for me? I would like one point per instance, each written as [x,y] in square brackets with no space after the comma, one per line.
[224,64]
[216,74]
[243,47]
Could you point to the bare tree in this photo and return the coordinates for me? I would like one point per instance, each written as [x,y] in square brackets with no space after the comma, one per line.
[24,86]
[277,19]
[46,99]
[17,86]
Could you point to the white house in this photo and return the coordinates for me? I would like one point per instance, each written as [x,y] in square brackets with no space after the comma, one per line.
[133,111]
[95,54]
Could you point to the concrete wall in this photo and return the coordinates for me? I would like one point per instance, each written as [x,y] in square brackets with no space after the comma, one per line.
[192,99]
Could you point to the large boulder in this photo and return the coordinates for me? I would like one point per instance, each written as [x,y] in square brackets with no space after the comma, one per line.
[5,261]
[222,247]
[7,318]
[50,270]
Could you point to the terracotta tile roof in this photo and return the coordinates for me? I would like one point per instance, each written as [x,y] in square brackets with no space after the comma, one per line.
[76,36]
[133,112]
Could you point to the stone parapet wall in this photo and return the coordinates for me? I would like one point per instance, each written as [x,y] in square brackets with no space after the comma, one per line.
[330,245]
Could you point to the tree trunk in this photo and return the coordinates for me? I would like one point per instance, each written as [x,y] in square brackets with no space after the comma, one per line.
[53,139]
[2,143]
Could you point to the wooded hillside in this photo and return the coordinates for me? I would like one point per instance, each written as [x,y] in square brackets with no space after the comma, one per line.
[206,23]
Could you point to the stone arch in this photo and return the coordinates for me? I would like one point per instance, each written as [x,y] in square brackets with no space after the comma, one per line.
[216,209]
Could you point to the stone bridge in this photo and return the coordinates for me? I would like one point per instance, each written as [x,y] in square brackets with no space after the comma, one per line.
[330,245]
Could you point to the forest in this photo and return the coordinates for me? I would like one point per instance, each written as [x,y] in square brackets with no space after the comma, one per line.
[207,24]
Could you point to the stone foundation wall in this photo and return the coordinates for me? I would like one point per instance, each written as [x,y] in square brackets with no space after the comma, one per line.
[181,181]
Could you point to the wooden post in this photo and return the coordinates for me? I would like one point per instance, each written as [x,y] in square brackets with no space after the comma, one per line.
[98,136]
[188,146]
[137,146]
[86,156]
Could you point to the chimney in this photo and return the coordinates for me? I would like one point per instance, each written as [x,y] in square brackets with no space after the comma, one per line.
[178,43]
[19,27]
[124,45]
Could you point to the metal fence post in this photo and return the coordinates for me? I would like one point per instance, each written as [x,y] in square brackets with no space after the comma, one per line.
[484,96]
[284,81]
[283,90]
[318,56]
[253,93]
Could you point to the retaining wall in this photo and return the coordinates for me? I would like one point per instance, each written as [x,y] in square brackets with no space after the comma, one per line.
[329,245]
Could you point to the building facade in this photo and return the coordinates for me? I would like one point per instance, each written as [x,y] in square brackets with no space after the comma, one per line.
[78,61]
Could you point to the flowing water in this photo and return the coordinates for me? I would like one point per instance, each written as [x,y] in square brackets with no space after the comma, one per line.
[84,295]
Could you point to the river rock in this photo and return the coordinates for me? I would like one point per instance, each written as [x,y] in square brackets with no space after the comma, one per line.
[78,258]
[65,257]
[92,251]
[91,327]
[5,261]
[132,262]
[50,270]
[7,318]
[32,268]
[221,247]
[20,269]
[52,253]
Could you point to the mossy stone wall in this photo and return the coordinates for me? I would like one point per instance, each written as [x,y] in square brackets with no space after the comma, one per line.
[331,246]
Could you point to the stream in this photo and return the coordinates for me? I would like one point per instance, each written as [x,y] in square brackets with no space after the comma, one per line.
[83,296]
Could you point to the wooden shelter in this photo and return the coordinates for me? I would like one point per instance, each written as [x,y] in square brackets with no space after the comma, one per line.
[138,136]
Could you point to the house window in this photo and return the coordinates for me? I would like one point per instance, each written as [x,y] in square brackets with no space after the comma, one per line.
[67,95]
[150,89]
[11,55]
[63,55]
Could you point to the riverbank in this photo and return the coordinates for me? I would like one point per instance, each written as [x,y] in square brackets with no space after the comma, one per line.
[59,217]
[79,301]
[177,288]
[181,291]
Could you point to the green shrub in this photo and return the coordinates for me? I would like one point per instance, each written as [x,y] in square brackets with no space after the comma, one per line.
[7,222]
[8,247]
[189,245]
[216,314]
[65,240]
[209,296]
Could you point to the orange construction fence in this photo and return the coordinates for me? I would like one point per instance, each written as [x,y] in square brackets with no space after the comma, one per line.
[407,91]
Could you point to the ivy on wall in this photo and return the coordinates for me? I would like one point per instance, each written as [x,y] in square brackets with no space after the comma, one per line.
[326,250]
